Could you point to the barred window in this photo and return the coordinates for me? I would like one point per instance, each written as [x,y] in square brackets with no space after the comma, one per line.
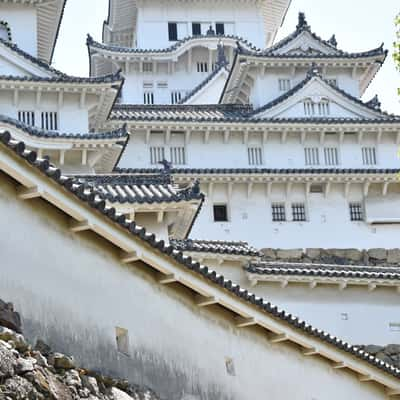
[177,96]
[178,156]
[356,212]
[27,117]
[220,212]
[323,108]
[284,84]
[331,156]
[147,67]
[278,212]
[148,98]
[299,212]
[312,109]
[49,120]
[202,66]
[311,155]
[157,154]
[369,155]
[255,156]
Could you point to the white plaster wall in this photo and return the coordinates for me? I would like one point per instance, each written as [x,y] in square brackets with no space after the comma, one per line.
[354,314]
[22,20]
[153,18]
[71,118]
[73,294]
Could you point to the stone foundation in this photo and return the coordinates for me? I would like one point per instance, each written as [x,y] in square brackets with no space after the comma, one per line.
[379,256]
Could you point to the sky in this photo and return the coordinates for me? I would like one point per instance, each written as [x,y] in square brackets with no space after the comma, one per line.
[358,24]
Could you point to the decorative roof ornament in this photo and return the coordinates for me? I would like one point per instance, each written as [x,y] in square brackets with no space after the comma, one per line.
[374,103]
[302,24]
[167,167]
[314,71]
[333,41]
[210,31]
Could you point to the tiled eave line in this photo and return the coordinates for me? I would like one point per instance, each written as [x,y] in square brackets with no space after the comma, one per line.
[134,241]
[118,134]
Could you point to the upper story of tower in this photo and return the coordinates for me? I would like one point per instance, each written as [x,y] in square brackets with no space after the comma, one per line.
[32,25]
[149,24]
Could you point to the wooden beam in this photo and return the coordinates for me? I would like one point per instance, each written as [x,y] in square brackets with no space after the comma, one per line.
[393,392]
[310,352]
[166,279]
[277,338]
[339,365]
[243,322]
[127,258]
[365,378]
[24,193]
[79,226]
[203,301]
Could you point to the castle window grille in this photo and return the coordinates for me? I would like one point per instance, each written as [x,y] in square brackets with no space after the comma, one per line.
[147,67]
[309,108]
[202,66]
[148,97]
[49,120]
[176,96]
[311,155]
[356,212]
[331,156]
[157,154]
[278,212]
[284,85]
[255,155]
[27,117]
[177,155]
[298,212]
[369,155]
[323,108]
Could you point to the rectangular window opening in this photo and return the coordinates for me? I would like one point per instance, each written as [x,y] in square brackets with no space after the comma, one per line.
[311,155]
[202,66]
[369,155]
[220,213]
[177,155]
[220,28]
[27,117]
[356,212]
[278,212]
[196,29]
[157,154]
[172,31]
[255,156]
[331,155]
[49,120]
[299,212]
[284,85]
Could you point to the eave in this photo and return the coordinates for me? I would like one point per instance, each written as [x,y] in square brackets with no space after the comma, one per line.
[43,181]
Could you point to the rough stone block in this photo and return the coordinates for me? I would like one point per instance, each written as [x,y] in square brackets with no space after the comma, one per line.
[269,253]
[373,349]
[392,349]
[378,254]
[393,256]
[291,254]
[314,254]
[9,318]
[353,254]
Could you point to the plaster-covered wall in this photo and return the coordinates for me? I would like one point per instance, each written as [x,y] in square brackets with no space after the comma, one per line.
[73,292]
[22,20]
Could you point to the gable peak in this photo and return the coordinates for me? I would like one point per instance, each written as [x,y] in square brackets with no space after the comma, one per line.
[302,22]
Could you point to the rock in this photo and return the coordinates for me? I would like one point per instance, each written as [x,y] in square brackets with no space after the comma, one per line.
[372,349]
[72,378]
[377,254]
[24,365]
[40,359]
[313,254]
[7,363]
[292,254]
[19,341]
[60,361]
[269,253]
[9,318]
[90,383]
[119,394]
[353,254]
[42,347]
[393,256]
[21,389]
[392,349]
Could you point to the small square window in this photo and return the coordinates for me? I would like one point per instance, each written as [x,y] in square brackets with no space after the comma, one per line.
[278,212]
[299,212]
[356,212]
[220,213]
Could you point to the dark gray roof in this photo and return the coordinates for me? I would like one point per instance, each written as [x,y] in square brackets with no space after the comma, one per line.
[33,131]
[188,113]
[215,246]
[331,44]
[323,270]
[119,49]
[267,171]
[139,189]
[213,277]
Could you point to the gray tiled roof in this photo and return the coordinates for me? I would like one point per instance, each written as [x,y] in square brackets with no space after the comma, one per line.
[33,131]
[216,246]
[213,277]
[139,189]
[323,270]
[119,49]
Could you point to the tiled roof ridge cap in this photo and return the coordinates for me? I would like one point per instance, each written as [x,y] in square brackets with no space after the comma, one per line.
[121,49]
[228,106]
[78,190]
[37,132]
[238,242]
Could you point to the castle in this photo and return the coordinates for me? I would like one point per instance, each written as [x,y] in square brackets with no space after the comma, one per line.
[149,208]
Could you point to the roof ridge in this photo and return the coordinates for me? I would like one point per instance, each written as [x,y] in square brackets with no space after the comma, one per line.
[187,262]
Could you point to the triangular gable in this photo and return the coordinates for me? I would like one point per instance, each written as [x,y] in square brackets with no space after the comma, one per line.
[316,98]
[208,91]
[16,62]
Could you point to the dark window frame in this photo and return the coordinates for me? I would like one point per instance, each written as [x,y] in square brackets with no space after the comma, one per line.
[197,31]
[356,210]
[299,213]
[220,28]
[224,217]
[172,31]
[278,212]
